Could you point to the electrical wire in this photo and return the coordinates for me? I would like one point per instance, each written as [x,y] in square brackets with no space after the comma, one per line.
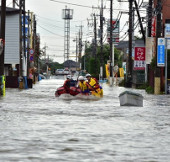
[9,4]
[74,4]
[50,31]
[126,34]
[54,20]
[52,25]
[48,18]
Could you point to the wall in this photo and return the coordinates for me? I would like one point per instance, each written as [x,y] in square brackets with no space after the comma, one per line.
[12,39]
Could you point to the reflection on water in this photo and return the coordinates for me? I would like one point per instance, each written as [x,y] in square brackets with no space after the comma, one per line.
[37,126]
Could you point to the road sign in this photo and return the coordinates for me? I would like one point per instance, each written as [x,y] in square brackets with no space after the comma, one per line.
[115,31]
[31,58]
[31,51]
[161,52]
[167,30]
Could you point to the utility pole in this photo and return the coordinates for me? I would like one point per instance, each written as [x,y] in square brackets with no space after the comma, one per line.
[95,43]
[21,54]
[129,64]
[23,60]
[76,50]
[101,41]
[159,70]
[140,21]
[35,43]
[2,54]
[28,45]
[111,43]
[149,34]
[95,39]
[80,34]
[13,3]
[24,34]
[34,32]
[150,18]
[76,41]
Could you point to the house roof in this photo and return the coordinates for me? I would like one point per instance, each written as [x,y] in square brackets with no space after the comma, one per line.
[70,63]
[125,44]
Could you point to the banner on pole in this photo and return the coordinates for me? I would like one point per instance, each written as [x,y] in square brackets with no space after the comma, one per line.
[149,49]
[153,30]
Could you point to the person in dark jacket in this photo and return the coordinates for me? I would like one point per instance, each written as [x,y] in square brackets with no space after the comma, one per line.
[67,84]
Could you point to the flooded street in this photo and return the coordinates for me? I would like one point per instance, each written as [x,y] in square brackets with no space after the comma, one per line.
[36,126]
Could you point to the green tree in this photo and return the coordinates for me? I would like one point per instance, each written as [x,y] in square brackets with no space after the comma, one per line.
[93,67]
[51,64]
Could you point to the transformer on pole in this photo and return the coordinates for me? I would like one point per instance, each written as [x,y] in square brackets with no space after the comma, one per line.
[67,15]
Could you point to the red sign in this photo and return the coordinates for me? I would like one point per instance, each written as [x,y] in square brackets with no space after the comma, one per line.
[153,30]
[140,53]
[139,59]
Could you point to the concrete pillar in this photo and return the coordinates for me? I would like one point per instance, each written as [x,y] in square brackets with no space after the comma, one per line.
[157,86]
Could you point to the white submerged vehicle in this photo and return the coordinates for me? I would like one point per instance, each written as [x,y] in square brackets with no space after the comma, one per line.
[129,98]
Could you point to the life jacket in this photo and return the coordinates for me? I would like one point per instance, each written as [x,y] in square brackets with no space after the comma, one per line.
[93,84]
[83,86]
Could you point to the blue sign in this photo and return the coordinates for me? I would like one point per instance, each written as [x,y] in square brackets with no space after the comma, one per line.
[26,31]
[31,58]
[26,20]
[161,52]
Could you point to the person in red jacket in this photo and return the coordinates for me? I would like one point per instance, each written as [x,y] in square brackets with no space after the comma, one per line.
[67,84]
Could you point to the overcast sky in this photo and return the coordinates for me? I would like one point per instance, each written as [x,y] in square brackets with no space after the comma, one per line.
[50,24]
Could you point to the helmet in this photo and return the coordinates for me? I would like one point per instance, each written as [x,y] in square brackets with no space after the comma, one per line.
[88,75]
[68,76]
[81,78]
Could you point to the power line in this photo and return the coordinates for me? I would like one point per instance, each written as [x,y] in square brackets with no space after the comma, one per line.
[74,4]
[50,31]
[53,25]
[9,4]
[49,19]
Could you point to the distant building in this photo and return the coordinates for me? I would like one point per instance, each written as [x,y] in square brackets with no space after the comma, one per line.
[13,47]
[72,65]
[124,47]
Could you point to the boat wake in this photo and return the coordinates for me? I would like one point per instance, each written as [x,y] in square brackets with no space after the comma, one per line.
[79,96]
